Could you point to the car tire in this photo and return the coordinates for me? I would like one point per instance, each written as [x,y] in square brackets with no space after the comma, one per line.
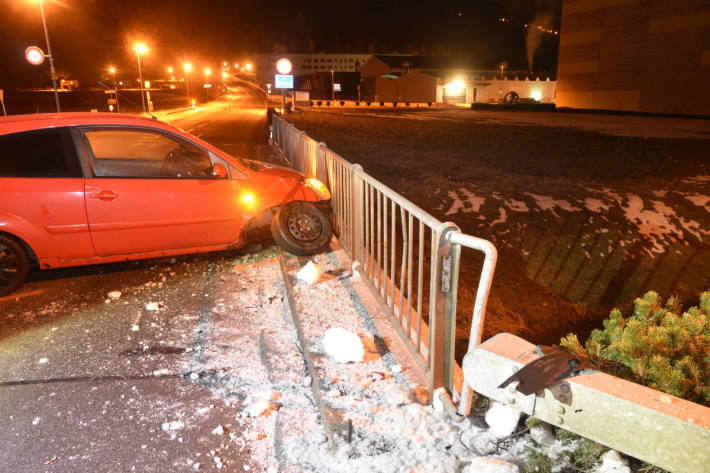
[301,228]
[14,265]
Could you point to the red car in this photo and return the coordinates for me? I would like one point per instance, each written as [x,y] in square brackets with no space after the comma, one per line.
[87,188]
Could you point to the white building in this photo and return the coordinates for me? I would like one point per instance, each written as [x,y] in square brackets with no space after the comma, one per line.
[265,64]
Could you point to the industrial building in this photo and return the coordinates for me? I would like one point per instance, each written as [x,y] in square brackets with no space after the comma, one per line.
[635,55]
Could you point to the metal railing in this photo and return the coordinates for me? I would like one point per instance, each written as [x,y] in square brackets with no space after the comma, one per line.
[409,259]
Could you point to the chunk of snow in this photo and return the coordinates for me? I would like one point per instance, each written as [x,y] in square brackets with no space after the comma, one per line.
[502,419]
[194,376]
[258,407]
[396,368]
[35,421]
[220,430]
[343,346]
[135,328]
[42,361]
[490,465]
[113,295]
[542,434]
[154,306]
[613,462]
[310,273]
[173,425]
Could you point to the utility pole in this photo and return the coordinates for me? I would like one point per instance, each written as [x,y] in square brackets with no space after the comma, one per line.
[51,57]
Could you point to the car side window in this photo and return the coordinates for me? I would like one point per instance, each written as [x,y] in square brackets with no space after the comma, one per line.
[145,154]
[39,153]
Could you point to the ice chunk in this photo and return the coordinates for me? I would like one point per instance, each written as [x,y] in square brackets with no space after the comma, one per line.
[502,420]
[220,430]
[173,425]
[310,273]
[613,462]
[343,346]
[490,465]
[542,434]
[258,407]
[113,295]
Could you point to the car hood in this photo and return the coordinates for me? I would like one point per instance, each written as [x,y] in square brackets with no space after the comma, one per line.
[273,170]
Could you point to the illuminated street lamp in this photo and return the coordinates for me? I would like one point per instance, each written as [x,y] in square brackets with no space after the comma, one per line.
[140,49]
[188,67]
[248,66]
[49,55]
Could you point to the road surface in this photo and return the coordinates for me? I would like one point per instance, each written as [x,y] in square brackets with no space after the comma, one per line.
[93,384]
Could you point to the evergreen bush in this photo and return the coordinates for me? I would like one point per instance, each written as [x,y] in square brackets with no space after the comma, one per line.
[655,346]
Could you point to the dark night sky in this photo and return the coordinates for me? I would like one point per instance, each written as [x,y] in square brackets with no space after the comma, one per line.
[88,35]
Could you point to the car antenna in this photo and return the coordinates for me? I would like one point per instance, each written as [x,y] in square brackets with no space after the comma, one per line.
[123,97]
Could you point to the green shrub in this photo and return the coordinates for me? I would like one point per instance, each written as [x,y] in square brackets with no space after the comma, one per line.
[655,346]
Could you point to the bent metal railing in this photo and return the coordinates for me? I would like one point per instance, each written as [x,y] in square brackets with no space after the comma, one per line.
[409,259]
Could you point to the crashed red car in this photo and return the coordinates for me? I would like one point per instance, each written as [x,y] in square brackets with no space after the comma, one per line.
[87,188]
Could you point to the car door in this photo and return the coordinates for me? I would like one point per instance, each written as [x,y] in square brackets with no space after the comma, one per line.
[152,190]
[41,194]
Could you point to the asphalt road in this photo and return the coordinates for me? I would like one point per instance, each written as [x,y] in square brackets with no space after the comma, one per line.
[92,384]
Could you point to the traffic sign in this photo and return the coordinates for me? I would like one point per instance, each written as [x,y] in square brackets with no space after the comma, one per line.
[206,86]
[34,55]
[337,88]
[283,81]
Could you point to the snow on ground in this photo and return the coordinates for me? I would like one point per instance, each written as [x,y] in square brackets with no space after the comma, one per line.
[469,202]
[656,218]
[245,350]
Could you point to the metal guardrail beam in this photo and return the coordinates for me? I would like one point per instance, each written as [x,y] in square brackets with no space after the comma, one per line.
[658,428]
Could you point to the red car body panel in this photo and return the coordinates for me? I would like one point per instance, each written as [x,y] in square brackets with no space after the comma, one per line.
[79,221]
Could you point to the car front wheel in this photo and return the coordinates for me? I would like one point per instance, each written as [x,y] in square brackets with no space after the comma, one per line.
[301,228]
[14,265]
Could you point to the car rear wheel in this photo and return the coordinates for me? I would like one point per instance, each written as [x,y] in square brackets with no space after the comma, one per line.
[14,265]
[301,228]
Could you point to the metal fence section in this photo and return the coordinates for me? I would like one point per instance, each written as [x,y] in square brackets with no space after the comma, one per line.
[409,259]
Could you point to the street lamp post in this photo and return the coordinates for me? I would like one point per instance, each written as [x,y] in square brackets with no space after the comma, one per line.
[140,48]
[207,75]
[112,71]
[187,66]
[51,57]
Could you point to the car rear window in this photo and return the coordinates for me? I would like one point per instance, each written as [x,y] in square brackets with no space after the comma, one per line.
[39,153]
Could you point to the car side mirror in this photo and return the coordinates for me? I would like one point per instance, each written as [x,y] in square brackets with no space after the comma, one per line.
[219,171]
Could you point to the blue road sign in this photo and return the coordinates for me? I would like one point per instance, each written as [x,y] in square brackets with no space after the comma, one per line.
[283,81]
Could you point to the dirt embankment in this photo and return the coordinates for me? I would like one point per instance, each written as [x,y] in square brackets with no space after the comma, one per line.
[587,211]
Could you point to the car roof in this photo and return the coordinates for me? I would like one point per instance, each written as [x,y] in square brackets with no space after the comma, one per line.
[36,121]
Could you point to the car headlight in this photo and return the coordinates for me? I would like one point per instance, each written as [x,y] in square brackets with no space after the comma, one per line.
[318,187]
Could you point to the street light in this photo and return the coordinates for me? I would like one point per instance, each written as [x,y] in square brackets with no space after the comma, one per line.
[207,75]
[140,49]
[112,71]
[51,57]
[188,67]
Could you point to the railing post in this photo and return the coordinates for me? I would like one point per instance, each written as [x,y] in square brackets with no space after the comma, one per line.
[444,270]
[357,211]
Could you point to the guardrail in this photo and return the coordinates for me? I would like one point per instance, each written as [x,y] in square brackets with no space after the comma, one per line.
[408,258]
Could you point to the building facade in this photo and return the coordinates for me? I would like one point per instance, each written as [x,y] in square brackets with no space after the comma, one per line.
[635,55]
[306,64]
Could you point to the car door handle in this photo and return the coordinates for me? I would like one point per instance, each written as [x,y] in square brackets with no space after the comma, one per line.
[104,195]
